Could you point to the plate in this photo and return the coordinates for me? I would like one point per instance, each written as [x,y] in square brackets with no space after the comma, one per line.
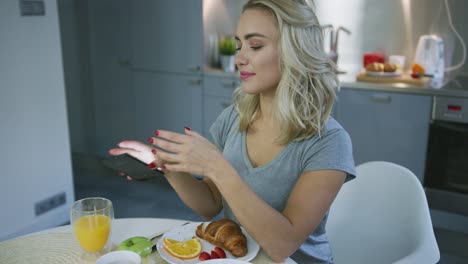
[383,74]
[224,261]
[188,231]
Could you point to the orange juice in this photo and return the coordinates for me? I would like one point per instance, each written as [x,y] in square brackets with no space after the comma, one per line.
[92,232]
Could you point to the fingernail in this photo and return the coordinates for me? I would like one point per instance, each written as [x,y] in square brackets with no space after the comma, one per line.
[154,151]
[163,167]
[152,165]
[156,132]
[187,128]
[151,140]
[129,178]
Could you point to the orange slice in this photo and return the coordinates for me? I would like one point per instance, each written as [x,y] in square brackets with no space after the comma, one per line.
[183,249]
[168,241]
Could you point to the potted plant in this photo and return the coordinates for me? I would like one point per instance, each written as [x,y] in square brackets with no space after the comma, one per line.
[227,50]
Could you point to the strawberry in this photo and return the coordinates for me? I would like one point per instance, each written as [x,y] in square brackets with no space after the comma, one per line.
[220,252]
[204,256]
[214,255]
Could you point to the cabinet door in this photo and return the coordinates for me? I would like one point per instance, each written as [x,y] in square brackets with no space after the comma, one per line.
[386,126]
[166,101]
[166,35]
[212,107]
[111,77]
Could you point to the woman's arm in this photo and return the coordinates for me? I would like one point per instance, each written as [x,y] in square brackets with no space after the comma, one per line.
[201,196]
[281,233]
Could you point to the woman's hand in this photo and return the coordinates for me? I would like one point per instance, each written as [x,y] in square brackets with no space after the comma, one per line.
[135,149]
[189,153]
[138,150]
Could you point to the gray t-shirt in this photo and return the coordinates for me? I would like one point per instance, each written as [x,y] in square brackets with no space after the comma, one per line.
[274,181]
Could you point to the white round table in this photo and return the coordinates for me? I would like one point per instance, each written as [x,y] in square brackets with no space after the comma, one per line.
[57,245]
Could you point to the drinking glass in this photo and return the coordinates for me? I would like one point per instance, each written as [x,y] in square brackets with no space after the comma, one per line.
[91,220]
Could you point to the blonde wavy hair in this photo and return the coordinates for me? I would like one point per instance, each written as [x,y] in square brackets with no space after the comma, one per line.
[306,92]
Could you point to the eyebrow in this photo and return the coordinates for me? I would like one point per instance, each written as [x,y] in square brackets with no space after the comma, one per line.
[251,35]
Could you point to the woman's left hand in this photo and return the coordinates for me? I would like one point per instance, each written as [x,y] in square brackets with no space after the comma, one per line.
[189,153]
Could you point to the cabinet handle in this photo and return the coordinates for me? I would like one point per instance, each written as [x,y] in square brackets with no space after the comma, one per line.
[232,84]
[380,98]
[195,82]
[194,69]
[225,105]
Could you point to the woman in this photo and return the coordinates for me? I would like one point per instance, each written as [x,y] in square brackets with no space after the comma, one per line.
[278,158]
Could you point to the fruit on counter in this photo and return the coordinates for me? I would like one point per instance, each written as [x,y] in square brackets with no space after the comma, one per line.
[220,252]
[204,256]
[417,69]
[224,233]
[140,245]
[183,249]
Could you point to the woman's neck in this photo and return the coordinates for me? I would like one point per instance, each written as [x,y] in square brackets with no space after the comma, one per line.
[266,107]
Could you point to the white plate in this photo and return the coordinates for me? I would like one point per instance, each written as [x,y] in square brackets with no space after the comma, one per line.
[383,74]
[188,231]
[224,261]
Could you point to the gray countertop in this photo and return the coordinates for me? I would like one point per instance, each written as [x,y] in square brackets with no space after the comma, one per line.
[453,87]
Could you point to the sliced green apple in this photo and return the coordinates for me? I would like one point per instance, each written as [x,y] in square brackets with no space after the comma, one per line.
[140,245]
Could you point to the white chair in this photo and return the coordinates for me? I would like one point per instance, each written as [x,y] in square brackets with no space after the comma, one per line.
[382,217]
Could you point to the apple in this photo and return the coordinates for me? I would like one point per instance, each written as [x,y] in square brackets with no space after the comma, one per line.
[140,245]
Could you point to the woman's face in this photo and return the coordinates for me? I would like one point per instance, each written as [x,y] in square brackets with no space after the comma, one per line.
[258,52]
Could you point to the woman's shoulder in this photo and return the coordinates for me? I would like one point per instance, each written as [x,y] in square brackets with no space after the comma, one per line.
[331,130]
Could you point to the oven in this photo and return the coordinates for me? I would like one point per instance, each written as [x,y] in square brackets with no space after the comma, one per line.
[446,170]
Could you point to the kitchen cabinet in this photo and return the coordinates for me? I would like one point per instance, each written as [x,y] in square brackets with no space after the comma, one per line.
[386,126]
[109,46]
[167,35]
[166,101]
[217,96]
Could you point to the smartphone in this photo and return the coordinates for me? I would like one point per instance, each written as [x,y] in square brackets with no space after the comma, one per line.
[131,166]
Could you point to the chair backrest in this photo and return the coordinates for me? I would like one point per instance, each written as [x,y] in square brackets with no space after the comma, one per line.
[382,216]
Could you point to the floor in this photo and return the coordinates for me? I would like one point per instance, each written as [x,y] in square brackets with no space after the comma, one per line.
[155,198]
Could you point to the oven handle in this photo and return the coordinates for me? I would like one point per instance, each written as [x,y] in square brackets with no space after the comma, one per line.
[452,126]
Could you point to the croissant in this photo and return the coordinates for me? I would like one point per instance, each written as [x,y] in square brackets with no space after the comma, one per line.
[226,234]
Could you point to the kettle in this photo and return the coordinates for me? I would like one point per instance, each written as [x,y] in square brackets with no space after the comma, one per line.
[430,55]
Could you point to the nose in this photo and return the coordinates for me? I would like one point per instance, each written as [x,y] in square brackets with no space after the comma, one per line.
[241,59]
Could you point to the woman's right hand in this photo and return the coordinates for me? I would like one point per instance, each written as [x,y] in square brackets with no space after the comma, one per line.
[135,149]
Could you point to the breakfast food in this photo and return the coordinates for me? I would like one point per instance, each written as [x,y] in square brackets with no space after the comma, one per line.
[390,67]
[187,249]
[224,233]
[140,245]
[375,67]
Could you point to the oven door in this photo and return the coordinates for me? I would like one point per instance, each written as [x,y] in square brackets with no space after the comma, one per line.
[446,172]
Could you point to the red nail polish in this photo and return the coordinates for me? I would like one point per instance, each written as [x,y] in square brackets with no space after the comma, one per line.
[163,167]
[187,128]
[152,165]
[151,140]
[154,151]
[156,132]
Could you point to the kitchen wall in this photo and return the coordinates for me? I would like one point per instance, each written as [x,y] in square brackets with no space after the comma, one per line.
[393,27]
[35,157]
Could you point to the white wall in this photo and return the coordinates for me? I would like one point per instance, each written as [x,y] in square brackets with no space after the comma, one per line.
[35,153]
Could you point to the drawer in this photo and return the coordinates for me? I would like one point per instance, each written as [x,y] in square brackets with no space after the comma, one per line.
[220,86]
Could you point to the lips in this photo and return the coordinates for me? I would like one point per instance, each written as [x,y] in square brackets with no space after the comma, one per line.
[245,75]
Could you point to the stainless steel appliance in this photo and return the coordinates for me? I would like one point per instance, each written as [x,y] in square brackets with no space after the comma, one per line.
[446,172]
